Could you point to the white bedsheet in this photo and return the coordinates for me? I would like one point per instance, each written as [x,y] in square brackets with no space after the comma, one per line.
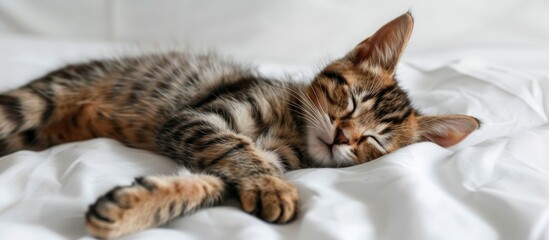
[494,185]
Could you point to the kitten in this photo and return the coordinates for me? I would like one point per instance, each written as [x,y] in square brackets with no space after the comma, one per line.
[236,131]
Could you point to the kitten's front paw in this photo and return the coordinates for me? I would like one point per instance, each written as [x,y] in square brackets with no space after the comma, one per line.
[122,210]
[270,198]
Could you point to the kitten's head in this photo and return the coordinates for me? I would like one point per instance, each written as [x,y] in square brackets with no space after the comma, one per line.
[355,111]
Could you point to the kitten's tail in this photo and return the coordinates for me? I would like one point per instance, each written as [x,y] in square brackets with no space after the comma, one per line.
[152,201]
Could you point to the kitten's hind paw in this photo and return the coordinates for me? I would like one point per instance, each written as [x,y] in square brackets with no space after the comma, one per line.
[122,210]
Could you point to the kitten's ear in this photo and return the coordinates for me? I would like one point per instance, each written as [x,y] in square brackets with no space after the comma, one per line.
[386,45]
[446,130]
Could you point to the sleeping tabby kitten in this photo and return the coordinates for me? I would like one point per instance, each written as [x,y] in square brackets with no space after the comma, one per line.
[235,131]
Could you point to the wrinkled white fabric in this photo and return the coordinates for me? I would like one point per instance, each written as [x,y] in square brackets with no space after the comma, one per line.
[494,185]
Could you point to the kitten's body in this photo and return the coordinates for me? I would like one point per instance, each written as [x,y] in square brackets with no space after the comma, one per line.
[142,101]
[236,131]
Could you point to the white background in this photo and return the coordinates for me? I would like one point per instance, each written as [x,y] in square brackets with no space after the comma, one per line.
[300,32]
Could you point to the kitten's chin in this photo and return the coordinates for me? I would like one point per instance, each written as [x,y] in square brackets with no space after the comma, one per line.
[320,153]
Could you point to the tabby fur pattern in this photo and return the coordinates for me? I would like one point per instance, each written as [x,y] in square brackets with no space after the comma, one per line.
[234,131]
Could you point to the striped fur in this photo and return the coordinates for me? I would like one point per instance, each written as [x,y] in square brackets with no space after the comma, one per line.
[236,131]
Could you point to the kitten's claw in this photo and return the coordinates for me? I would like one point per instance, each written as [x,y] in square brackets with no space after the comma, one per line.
[270,198]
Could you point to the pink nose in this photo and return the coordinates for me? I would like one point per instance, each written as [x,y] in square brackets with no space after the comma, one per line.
[340,137]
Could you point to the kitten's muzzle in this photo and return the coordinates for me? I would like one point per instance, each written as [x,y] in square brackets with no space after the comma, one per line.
[340,137]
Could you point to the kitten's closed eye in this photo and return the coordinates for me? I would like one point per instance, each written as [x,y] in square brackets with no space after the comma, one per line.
[372,140]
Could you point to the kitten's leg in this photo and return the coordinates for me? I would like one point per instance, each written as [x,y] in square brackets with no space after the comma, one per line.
[20,111]
[207,142]
[25,110]
[151,201]
[74,103]
[46,98]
